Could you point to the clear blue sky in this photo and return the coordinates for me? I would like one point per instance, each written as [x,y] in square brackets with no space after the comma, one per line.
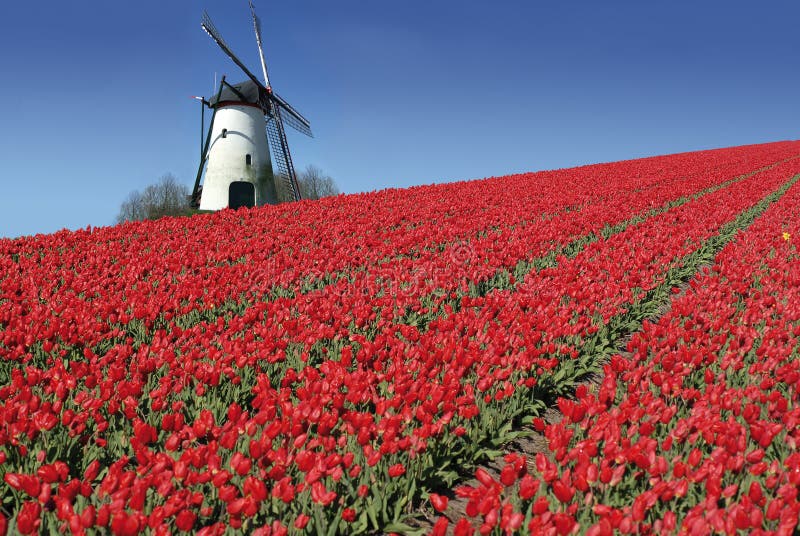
[96,94]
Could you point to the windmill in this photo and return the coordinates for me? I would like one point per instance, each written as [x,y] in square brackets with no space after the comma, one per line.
[236,149]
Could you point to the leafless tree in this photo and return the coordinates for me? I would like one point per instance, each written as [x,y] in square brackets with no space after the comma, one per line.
[315,184]
[132,209]
[167,197]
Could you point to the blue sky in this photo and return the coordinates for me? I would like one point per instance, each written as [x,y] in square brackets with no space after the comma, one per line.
[96,94]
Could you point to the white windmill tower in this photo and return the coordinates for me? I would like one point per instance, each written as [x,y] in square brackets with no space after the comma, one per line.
[237,146]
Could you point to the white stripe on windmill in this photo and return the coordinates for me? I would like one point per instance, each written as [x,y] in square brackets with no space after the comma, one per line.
[236,149]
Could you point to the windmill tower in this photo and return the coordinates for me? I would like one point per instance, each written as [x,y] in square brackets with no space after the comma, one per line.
[247,122]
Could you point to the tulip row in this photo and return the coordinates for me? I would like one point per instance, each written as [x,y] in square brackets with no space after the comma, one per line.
[223,418]
[341,310]
[582,354]
[693,429]
[89,286]
[298,395]
[314,387]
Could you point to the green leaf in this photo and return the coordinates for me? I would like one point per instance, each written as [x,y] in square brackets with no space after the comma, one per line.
[398,508]
[360,525]
[489,453]
[371,512]
[403,528]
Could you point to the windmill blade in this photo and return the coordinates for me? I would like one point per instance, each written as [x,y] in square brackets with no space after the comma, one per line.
[257,28]
[282,165]
[212,31]
[296,125]
[292,117]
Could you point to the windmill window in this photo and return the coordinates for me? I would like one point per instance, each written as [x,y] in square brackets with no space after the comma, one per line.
[248,160]
[224,132]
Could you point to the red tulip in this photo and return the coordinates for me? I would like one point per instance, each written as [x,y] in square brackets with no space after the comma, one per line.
[439,502]
[397,470]
[484,478]
[301,521]
[440,527]
[28,517]
[562,491]
[463,528]
[185,520]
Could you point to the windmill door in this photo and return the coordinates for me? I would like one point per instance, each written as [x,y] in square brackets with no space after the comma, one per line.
[241,194]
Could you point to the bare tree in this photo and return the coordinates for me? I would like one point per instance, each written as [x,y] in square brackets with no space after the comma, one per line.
[167,197]
[132,209]
[315,184]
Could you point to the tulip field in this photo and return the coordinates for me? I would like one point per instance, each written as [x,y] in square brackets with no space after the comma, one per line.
[350,365]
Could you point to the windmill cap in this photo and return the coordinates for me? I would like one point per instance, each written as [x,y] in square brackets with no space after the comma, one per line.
[248,89]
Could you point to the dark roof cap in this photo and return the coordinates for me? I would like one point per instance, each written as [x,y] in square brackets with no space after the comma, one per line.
[249,89]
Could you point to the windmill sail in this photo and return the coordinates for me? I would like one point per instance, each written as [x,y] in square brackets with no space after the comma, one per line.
[282,165]
[212,31]
[257,28]
[292,117]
